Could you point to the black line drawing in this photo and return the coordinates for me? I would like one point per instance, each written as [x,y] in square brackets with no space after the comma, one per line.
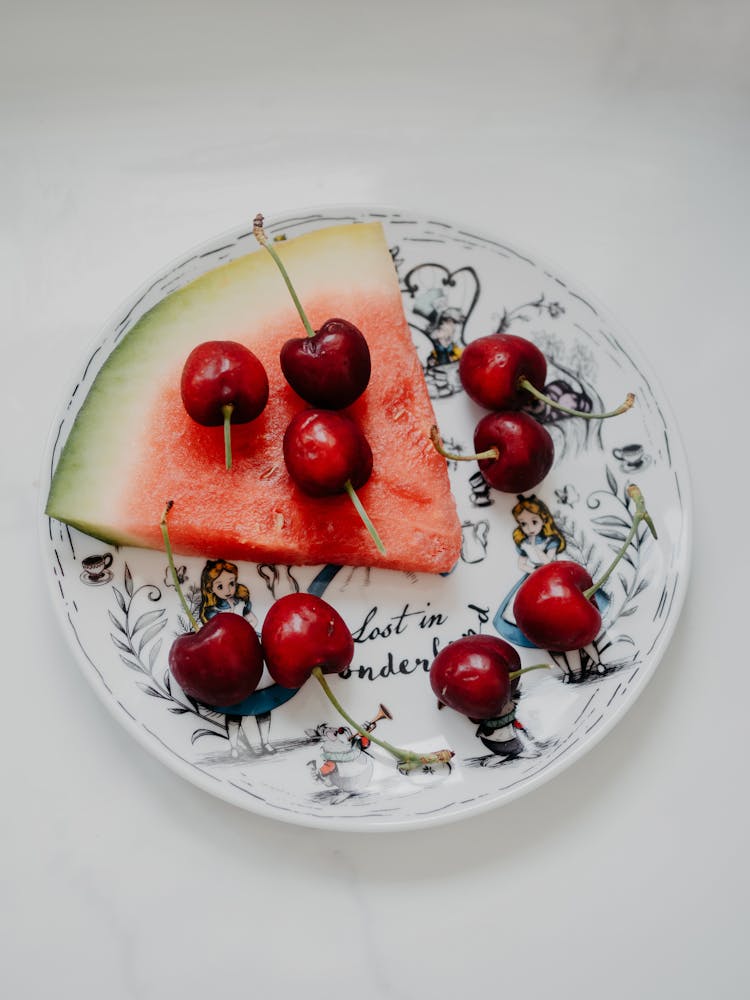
[138,640]
[474,540]
[441,303]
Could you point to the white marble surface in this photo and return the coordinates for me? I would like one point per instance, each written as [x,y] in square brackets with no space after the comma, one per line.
[614,140]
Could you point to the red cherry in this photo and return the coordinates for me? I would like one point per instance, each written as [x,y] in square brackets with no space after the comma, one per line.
[221,373]
[301,632]
[330,369]
[473,675]
[220,664]
[525,451]
[492,367]
[553,611]
[554,606]
[504,372]
[324,450]
[223,383]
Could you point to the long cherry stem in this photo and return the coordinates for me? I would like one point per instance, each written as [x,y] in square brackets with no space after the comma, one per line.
[172,568]
[641,514]
[351,492]
[437,442]
[524,383]
[227,411]
[260,234]
[525,670]
[407,759]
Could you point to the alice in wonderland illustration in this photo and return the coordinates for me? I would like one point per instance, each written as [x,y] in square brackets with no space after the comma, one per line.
[442,302]
[344,765]
[539,540]
[222,592]
[505,737]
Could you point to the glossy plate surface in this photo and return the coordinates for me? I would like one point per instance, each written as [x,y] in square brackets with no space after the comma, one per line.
[119,611]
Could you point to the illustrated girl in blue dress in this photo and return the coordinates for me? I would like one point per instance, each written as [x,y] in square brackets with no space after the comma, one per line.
[538,541]
[222,593]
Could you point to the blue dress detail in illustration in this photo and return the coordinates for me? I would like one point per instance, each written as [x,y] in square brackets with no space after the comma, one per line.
[538,540]
[504,620]
[235,606]
[322,579]
[264,700]
[537,551]
[222,593]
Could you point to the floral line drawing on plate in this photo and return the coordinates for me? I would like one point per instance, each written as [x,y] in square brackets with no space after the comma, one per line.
[132,647]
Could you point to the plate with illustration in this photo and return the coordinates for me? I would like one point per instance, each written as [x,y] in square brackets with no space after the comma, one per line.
[286,753]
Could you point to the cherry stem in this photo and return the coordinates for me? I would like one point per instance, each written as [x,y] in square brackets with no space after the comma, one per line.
[525,670]
[365,516]
[641,514]
[523,383]
[437,442]
[172,568]
[260,234]
[227,410]
[407,759]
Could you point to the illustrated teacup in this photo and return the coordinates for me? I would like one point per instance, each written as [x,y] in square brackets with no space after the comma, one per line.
[630,457]
[95,568]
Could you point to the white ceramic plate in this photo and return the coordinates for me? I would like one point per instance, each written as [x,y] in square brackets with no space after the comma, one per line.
[120,612]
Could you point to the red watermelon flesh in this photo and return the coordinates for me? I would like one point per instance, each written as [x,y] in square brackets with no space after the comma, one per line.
[114,483]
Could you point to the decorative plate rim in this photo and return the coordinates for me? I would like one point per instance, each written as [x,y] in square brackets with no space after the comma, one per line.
[340,822]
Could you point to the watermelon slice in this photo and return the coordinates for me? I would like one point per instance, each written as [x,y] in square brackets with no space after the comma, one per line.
[133,447]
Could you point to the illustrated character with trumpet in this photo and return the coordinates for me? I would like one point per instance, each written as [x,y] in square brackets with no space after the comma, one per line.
[346,765]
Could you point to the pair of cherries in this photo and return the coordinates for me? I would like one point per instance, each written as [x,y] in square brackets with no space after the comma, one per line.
[554,608]
[325,451]
[502,373]
[221,663]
